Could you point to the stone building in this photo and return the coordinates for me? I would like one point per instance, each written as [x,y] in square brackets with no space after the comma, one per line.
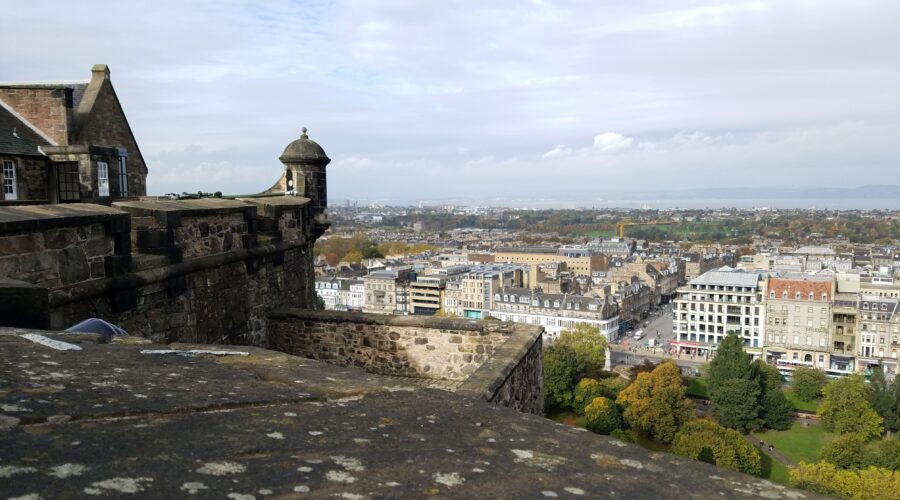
[387,291]
[579,261]
[716,303]
[476,290]
[879,333]
[63,142]
[798,324]
[556,311]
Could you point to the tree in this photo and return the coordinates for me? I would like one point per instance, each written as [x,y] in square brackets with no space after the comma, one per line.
[353,257]
[588,343]
[808,383]
[824,478]
[654,404]
[882,397]
[736,404]
[602,416]
[611,387]
[704,440]
[845,408]
[775,410]
[585,392]
[730,362]
[883,453]
[845,451]
[562,368]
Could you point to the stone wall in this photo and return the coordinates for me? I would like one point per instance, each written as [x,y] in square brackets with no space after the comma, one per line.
[412,346]
[496,362]
[193,287]
[46,108]
[31,176]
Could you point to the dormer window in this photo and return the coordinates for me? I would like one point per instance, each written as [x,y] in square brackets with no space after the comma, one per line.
[497,297]
[772,295]
[865,305]
[811,296]
[505,298]
[546,303]
[784,295]
[592,307]
[824,297]
[555,303]
[577,306]
[797,296]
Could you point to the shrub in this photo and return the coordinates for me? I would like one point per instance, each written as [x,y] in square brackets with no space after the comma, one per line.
[808,383]
[602,416]
[707,441]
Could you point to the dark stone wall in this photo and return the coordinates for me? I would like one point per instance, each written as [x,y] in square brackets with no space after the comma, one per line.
[523,390]
[31,177]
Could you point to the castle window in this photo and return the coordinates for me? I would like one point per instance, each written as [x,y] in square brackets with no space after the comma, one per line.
[102,178]
[9,180]
[123,176]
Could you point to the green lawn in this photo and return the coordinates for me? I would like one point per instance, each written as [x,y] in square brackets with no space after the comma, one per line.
[773,470]
[697,387]
[798,443]
[801,405]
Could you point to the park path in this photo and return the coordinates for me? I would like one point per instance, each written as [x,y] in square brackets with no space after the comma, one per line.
[774,453]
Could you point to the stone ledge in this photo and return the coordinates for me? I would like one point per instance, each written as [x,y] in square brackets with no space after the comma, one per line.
[169,212]
[493,373]
[22,218]
[502,327]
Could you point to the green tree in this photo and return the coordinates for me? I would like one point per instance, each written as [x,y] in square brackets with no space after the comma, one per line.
[845,451]
[562,369]
[808,383]
[654,404]
[883,453]
[702,439]
[736,404]
[602,416]
[353,257]
[585,392]
[588,343]
[882,397]
[611,387]
[730,362]
[775,410]
[846,409]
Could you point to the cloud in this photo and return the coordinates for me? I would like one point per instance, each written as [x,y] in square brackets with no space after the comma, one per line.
[559,150]
[612,142]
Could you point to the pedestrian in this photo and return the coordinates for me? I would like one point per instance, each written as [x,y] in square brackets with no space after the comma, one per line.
[771,447]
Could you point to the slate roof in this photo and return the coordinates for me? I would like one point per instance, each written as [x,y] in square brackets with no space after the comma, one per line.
[16,135]
[727,278]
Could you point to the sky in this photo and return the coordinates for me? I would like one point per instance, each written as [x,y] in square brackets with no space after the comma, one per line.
[430,100]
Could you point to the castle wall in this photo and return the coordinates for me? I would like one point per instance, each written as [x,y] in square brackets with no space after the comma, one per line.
[495,362]
[202,271]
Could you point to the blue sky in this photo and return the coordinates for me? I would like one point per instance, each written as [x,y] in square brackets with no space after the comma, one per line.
[449,99]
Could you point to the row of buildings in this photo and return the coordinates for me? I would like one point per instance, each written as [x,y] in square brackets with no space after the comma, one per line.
[841,322]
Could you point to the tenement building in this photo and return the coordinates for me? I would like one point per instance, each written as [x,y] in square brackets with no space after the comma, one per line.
[879,332]
[716,303]
[64,142]
[556,312]
[799,315]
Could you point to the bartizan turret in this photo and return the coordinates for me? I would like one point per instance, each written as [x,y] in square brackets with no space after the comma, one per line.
[304,175]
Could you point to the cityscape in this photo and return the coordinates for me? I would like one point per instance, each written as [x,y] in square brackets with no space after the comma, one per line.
[401,250]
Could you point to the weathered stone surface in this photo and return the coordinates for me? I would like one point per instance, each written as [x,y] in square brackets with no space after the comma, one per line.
[73,265]
[108,420]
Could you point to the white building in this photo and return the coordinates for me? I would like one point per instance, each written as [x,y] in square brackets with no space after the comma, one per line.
[718,302]
[556,312]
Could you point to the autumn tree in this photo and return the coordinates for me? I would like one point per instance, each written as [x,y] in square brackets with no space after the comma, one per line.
[654,404]
[703,438]
[845,451]
[601,415]
[585,392]
[846,408]
[826,479]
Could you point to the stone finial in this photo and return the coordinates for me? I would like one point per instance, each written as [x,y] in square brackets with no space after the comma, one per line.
[303,133]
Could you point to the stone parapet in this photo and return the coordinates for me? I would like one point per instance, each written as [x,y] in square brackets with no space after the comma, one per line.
[498,362]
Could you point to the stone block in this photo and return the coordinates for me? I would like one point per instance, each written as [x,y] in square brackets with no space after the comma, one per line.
[73,265]
[23,305]
[57,239]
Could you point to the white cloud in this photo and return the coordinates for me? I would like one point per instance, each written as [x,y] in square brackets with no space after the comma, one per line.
[558,151]
[612,142]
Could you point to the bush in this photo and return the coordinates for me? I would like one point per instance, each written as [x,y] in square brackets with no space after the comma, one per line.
[585,392]
[826,479]
[562,369]
[622,435]
[654,404]
[808,383]
[707,441]
[884,453]
[611,387]
[845,451]
[602,416]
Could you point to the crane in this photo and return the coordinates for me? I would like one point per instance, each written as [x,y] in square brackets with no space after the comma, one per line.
[620,227]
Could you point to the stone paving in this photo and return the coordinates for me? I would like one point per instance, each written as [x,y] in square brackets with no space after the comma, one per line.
[112,421]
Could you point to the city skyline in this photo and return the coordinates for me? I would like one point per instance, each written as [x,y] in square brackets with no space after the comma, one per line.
[509,99]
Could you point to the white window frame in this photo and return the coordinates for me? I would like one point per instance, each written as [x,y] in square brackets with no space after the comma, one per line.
[10,189]
[102,178]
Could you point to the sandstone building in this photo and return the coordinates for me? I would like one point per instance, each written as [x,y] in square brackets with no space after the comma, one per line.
[63,142]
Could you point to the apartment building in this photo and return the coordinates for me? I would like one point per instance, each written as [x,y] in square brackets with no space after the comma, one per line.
[716,303]
[579,261]
[476,289]
[426,295]
[342,294]
[387,291]
[879,333]
[799,316]
[556,312]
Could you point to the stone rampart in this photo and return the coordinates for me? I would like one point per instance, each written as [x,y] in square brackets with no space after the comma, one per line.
[204,271]
[494,361]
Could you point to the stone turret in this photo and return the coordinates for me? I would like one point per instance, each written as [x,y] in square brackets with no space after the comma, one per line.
[304,169]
